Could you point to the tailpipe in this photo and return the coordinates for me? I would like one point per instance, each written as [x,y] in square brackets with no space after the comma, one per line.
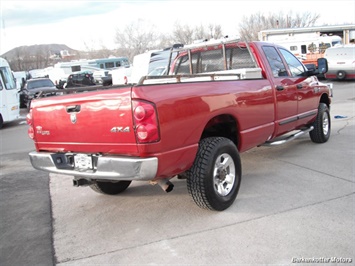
[81,182]
[166,185]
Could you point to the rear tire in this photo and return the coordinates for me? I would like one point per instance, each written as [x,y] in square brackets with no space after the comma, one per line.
[321,131]
[110,188]
[214,179]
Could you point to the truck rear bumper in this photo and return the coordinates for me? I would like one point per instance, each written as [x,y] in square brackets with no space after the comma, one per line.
[114,168]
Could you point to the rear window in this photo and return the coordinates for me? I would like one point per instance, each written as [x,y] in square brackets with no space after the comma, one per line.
[213,60]
[39,84]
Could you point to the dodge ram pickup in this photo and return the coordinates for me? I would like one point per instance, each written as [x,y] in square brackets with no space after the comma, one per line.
[220,99]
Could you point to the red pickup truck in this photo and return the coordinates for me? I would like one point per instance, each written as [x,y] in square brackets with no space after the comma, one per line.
[219,99]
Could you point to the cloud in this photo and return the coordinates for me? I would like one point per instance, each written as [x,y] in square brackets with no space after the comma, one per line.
[30,13]
[82,23]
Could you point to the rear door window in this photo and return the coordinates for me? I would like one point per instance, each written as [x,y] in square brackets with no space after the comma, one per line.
[274,59]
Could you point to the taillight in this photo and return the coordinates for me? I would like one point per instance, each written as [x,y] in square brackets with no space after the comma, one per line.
[31,132]
[30,123]
[29,118]
[145,121]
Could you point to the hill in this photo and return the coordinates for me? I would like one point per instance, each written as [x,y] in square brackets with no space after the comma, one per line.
[25,58]
[33,50]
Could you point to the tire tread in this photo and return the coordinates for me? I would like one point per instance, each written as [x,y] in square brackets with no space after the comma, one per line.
[195,182]
[317,134]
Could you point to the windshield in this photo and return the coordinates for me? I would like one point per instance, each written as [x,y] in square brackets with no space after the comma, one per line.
[34,84]
[158,71]
[8,78]
[336,42]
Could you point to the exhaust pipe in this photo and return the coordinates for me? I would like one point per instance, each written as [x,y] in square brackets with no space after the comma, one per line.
[166,185]
[81,182]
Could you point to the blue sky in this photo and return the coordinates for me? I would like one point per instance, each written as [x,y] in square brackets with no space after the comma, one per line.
[85,24]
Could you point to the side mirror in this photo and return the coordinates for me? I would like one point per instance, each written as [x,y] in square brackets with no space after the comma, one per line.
[322,65]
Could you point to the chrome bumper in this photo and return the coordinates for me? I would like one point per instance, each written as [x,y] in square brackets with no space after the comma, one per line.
[113,168]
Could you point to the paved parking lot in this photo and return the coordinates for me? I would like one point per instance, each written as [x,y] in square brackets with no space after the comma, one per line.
[296,204]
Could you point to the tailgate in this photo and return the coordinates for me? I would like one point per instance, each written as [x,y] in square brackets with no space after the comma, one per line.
[98,121]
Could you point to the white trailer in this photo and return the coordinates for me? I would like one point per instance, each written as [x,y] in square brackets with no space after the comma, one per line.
[341,62]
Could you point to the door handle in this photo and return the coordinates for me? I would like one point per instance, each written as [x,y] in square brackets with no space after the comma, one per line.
[299,86]
[280,88]
[73,108]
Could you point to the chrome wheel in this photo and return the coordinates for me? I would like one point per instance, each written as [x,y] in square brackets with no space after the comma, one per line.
[224,174]
[325,123]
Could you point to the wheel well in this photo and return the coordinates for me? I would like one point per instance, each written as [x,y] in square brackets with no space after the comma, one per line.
[325,99]
[222,126]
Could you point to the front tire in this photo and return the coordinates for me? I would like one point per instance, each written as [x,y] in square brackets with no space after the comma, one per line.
[214,179]
[110,188]
[321,131]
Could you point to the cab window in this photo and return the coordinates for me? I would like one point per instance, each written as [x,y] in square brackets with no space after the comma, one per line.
[211,61]
[296,67]
[184,64]
[8,78]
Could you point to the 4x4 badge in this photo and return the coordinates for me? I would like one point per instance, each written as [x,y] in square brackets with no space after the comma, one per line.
[120,129]
[73,118]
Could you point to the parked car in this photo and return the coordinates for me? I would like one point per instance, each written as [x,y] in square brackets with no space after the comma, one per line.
[102,77]
[78,79]
[34,88]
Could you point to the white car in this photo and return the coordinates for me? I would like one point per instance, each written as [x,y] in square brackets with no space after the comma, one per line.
[121,75]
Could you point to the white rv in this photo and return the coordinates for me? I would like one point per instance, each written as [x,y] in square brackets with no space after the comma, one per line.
[304,45]
[9,97]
